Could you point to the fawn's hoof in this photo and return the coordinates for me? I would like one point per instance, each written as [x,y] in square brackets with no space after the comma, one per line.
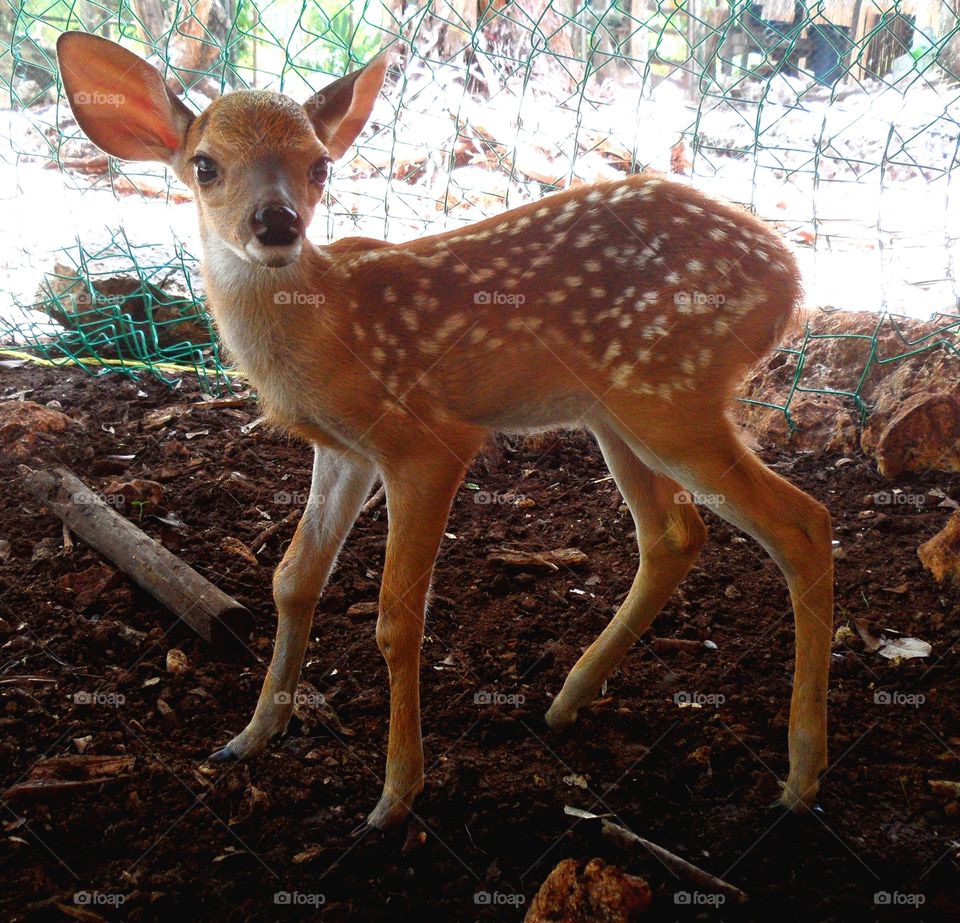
[389,812]
[243,747]
[559,718]
[224,755]
[799,799]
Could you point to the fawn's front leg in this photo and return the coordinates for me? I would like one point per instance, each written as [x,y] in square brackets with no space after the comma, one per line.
[337,491]
[418,503]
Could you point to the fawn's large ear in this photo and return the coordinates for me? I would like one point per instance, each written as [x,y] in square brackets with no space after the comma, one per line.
[339,111]
[120,101]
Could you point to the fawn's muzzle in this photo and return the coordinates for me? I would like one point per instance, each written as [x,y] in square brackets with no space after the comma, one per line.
[277,226]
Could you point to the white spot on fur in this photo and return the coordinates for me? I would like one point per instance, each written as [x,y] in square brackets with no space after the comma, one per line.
[613,350]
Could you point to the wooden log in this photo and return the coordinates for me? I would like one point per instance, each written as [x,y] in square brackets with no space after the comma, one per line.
[216,617]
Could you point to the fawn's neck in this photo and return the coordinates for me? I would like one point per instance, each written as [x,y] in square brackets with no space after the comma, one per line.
[274,321]
[256,306]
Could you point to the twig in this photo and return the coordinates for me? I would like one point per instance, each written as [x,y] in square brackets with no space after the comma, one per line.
[375,500]
[623,837]
[256,546]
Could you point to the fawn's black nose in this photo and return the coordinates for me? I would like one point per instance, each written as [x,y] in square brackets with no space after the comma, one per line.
[277,225]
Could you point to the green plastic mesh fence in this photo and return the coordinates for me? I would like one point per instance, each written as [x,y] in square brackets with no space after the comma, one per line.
[834,119]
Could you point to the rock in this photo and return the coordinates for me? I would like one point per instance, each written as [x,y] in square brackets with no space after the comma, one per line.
[916,396]
[233,545]
[138,491]
[110,288]
[599,894]
[941,555]
[177,661]
[923,434]
[88,585]
[23,422]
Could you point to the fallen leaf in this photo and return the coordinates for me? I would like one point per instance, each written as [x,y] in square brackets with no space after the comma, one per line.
[904,648]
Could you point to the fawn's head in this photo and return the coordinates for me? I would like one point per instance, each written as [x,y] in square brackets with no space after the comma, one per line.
[256,161]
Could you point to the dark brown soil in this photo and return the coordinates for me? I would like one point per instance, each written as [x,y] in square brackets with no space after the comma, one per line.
[175,839]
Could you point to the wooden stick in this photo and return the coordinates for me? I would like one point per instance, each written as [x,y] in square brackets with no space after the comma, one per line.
[375,500]
[665,645]
[536,560]
[216,617]
[623,837]
[256,546]
[65,774]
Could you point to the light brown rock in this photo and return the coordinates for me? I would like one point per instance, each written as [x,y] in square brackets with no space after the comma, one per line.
[941,555]
[912,400]
[22,422]
[599,894]
[923,434]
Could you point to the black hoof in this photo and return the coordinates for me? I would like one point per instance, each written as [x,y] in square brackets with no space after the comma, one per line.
[223,755]
[779,808]
[362,829]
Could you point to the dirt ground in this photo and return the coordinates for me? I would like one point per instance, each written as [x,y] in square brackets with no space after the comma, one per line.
[83,657]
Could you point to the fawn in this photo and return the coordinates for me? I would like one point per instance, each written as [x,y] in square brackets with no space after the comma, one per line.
[631,307]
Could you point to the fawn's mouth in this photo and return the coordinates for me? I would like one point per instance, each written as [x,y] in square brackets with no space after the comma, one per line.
[273,257]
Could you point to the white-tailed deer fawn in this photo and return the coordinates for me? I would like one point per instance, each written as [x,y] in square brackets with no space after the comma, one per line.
[631,307]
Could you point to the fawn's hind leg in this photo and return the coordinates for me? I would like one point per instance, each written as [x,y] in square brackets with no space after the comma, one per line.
[795,530]
[670,533]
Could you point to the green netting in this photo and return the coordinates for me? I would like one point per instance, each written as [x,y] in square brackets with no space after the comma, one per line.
[835,119]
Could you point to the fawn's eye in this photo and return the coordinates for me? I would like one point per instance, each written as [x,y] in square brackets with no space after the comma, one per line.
[320,171]
[205,169]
